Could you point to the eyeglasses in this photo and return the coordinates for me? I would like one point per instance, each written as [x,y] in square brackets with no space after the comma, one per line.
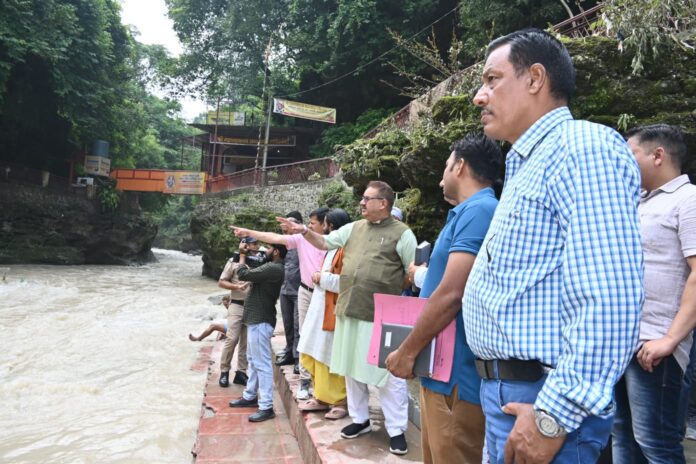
[366,198]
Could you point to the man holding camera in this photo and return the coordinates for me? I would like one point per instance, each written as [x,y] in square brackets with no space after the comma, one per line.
[310,259]
[260,319]
[236,330]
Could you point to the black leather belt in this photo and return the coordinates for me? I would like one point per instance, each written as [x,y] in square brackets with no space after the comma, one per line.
[511,369]
[237,302]
[306,287]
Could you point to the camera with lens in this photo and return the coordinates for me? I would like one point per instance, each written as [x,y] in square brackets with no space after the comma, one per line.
[253,258]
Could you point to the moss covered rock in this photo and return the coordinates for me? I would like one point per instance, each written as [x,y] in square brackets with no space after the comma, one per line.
[376,158]
[337,195]
[210,230]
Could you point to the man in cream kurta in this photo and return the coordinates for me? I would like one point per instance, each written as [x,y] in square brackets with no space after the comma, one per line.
[377,252]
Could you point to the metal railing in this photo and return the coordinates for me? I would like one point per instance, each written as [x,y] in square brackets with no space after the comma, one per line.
[580,25]
[292,173]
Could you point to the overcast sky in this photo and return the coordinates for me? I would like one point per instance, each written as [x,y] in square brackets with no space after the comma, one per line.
[150,18]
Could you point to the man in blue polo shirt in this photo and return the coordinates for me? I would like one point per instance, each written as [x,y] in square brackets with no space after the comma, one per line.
[452,423]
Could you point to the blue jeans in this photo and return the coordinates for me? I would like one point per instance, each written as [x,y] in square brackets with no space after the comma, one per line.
[260,383]
[647,427]
[688,392]
[581,446]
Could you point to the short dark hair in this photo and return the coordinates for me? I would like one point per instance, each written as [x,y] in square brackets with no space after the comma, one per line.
[385,191]
[295,214]
[530,46]
[319,213]
[338,218]
[671,138]
[482,155]
[282,250]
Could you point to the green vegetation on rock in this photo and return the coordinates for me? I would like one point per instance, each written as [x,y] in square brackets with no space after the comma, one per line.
[411,159]
[210,229]
[336,195]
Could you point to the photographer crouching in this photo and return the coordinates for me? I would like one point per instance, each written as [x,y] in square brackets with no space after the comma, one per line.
[260,319]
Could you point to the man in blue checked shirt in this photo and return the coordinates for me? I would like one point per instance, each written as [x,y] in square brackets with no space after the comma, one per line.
[552,305]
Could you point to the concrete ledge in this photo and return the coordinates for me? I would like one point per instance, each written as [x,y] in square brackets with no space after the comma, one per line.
[319,439]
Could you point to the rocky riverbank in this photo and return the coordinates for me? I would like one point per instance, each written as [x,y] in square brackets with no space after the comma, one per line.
[42,226]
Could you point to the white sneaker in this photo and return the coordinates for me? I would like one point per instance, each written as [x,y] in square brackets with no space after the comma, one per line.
[690,434]
[303,391]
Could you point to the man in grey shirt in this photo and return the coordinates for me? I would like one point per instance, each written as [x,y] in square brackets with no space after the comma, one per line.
[288,301]
[647,427]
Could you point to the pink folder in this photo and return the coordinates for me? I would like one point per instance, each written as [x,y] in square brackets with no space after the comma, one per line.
[394,309]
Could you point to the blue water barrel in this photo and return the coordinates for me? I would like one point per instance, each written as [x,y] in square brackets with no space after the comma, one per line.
[100,148]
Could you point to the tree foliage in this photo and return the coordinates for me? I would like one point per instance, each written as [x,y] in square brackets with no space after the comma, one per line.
[644,25]
[71,73]
[347,132]
[312,43]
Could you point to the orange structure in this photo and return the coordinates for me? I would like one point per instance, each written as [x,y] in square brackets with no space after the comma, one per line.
[139,180]
[160,180]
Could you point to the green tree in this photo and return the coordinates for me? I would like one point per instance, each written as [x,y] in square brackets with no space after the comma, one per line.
[70,73]
[347,132]
[644,26]
[63,66]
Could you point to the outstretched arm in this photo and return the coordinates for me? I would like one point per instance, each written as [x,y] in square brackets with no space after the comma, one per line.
[268,237]
[312,237]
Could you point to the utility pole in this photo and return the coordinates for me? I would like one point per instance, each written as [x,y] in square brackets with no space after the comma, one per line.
[268,119]
[215,138]
[268,129]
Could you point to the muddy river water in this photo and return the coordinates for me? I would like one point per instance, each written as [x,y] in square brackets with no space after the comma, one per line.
[95,363]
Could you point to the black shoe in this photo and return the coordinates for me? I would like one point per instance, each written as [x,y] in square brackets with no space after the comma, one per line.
[242,403]
[296,369]
[286,360]
[355,430]
[262,415]
[240,378]
[224,381]
[397,444]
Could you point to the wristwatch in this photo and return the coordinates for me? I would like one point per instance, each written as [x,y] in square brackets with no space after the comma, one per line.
[304,230]
[548,425]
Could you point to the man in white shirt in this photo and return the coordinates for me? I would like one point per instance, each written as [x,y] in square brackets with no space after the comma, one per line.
[648,422]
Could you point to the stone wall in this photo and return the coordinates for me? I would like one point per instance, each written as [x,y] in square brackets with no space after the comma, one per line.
[280,198]
[253,208]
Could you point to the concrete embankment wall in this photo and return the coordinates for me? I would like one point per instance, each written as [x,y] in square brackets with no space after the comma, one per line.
[280,199]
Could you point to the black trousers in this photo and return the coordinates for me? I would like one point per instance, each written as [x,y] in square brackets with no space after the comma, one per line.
[288,308]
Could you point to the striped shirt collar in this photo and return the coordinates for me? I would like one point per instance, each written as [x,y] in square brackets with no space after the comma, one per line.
[532,136]
[670,187]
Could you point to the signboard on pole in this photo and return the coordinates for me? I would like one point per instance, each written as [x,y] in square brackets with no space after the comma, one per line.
[184,182]
[238,118]
[225,118]
[304,110]
[281,141]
